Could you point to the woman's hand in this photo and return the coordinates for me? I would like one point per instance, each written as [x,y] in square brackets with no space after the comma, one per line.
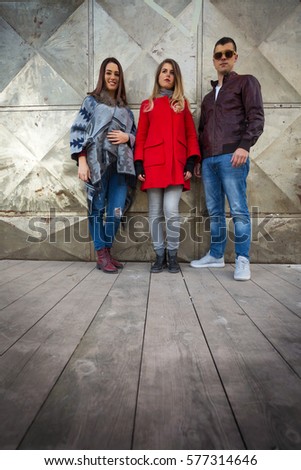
[83,169]
[187,175]
[118,137]
[139,169]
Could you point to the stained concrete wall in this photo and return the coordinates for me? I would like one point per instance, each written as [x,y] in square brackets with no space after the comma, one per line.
[50,57]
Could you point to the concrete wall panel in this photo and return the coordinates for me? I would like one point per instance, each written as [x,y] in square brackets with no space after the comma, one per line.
[50,57]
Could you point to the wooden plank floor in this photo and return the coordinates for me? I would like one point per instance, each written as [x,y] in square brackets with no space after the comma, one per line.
[192,360]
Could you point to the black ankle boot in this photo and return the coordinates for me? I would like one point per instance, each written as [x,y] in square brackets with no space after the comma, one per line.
[173,265]
[159,264]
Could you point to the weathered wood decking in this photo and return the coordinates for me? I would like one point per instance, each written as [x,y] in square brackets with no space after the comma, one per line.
[192,360]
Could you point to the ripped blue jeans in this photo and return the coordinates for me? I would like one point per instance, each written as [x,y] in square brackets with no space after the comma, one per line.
[107,209]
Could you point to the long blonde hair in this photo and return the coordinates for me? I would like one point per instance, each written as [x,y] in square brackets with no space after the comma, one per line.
[178,99]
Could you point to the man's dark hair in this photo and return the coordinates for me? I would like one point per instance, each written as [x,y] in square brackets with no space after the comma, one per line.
[224,41]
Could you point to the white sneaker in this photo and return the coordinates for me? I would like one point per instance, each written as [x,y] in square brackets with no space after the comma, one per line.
[208,261]
[242,269]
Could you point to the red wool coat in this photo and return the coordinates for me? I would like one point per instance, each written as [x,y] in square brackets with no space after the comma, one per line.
[164,141]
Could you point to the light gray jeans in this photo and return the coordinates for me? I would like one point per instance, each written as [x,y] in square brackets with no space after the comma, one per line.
[163,211]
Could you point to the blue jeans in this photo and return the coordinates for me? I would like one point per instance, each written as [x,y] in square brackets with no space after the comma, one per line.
[221,179]
[107,209]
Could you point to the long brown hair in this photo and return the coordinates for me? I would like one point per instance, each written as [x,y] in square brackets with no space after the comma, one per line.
[120,93]
[178,98]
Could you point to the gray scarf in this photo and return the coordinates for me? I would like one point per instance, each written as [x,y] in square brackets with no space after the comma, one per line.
[165,92]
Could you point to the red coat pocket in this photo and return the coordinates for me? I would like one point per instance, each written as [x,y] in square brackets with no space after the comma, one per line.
[154,153]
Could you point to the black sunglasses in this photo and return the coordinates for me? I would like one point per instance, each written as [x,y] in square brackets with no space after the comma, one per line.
[228,54]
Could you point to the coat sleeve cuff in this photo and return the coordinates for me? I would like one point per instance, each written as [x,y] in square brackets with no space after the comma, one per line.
[75,156]
[139,167]
[190,162]
[245,144]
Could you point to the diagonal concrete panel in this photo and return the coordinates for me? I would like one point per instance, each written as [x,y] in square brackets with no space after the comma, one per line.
[282,163]
[280,48]
[12,45]
[39,192]
[123,47]
[60,165]
[67,50]
[16,161]
[257,19]
[181,47]
[38,130]
[267,195]
[36,21]
[41,84]
[145,25]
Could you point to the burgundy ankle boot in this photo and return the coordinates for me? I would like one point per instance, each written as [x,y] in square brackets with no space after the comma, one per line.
[104,262]
[114,261]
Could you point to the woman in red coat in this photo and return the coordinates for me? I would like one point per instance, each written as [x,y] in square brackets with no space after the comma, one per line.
[165,153]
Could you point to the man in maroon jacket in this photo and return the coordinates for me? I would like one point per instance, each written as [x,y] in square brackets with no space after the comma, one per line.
[231,121]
